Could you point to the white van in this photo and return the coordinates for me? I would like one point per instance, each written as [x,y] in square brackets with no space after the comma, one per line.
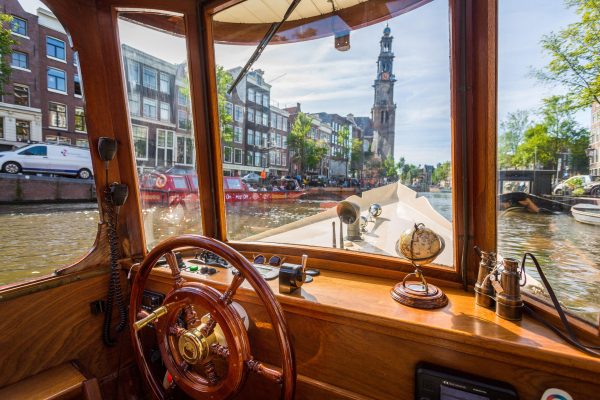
[48,159]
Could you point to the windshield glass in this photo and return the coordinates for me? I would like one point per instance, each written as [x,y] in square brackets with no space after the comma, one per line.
[548,140]
[350,111]
[158,95]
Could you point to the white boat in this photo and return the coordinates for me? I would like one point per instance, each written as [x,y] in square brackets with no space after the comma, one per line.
[586,213]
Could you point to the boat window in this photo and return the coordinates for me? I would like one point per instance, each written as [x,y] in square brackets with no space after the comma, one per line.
[547,140]
[324,85]
[164,147]
[48,207]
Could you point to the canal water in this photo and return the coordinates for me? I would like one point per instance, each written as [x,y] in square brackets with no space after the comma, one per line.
[37,239]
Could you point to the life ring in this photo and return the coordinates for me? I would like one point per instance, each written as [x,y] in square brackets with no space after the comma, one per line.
[161,181]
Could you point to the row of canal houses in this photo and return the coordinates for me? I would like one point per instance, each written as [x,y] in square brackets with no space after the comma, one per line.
[44,102]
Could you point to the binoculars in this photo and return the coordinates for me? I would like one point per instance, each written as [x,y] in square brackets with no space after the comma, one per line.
[499,288]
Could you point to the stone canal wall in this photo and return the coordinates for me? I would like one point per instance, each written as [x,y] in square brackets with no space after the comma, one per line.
[44,189]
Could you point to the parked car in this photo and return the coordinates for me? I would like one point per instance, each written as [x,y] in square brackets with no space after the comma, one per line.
[568,186]
[593,188]
[48,159]
[317,180]
[251,178]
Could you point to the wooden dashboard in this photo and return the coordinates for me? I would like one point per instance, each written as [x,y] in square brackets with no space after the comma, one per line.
[353,341]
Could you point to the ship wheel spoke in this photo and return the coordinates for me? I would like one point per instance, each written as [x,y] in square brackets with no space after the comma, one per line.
[219,350]
[237,281]
[190,316]
[211,373]
[178,280]
[262,370]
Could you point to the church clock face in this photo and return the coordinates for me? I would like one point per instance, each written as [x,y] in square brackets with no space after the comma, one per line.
[385,76]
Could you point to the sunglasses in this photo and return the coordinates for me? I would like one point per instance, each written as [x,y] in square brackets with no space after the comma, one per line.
[274,261]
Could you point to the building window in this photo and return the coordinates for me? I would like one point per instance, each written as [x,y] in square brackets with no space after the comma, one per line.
[285,126]
[284,160]
[229,108]
[250,114]
[165,143]
[239,113]
[257,159]
[185,150]
[258,117]
[271,158]
[58,140]
[265,100]
[265,119]
[165,111]
[1,127]
[19,26]
[182,98]
[82,143]
[57,80]
[76,63]
[278,143]
[140,141]
[227,154]
[149,108]
[284,142]
[57,115]
[257,138]
[259,98]
[237,134]
[250,94]
[182,120]
[77,86]
[19,60]
[21,93]
[237,156]
[149,78]
[250,138]
[249,158]
[265,139]
[164,83]
[80,119]
[55,48]
[134,103]
[133,72]
[23,130]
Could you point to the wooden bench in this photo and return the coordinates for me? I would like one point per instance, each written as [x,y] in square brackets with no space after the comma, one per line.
[62,382]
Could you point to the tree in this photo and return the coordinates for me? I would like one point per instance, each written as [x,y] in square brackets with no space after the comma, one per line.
[513,128]
[356,155]
[307,152]
[556,133]
[441,173]
[224,80]
[6,47]
[389,167]
[575,55]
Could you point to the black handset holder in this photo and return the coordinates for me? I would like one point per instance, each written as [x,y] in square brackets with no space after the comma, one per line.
[107,149]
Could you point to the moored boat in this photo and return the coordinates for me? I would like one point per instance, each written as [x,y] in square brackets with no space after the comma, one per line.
[586,213]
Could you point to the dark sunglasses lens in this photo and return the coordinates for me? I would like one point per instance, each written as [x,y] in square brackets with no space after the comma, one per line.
[275,261]
[259,259]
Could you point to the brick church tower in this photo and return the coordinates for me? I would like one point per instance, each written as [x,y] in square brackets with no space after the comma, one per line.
[384,109]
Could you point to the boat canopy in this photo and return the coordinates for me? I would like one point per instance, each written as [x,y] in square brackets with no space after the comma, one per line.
[245,23]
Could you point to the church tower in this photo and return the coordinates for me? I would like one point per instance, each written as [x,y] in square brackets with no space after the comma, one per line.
[383,112]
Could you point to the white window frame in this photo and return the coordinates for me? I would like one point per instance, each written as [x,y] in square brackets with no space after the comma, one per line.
[26,36]
[225,158]
[168,109]
[145,129]
[166,147]
[137,112]
[155,108]
[146,68]
[48,81]
[238,113]
[185,114]
[28,93]
[237,130]
[26,68]
[162,75]
[66,127]
[64,60]
[251,114]
[249,137]
[241,154]
[251,95]
[84,122]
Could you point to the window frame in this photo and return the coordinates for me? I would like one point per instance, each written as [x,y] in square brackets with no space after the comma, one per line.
[64,49]
[146,131]
[26,24]
[20,53]
[80,116]
[19,85]
[62,128]
[48,69]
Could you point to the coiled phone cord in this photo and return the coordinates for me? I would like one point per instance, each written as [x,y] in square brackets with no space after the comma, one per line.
[114,286]
[570,335]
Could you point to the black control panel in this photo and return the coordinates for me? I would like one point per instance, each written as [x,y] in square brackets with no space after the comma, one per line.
[437,383]
[152,300]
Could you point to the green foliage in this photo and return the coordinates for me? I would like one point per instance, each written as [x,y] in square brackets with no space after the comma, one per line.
[6,44]
[307,152]
[575,55]
[513,128]
[556,133]
[224,80]
[389,167]
[356,154]
[441,172]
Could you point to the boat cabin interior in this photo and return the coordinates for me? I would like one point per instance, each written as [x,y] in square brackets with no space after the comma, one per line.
[216,303]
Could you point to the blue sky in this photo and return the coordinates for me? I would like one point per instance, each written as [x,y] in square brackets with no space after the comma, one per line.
[323,79]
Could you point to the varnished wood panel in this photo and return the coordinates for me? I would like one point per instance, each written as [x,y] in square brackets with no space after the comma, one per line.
[61,382]
[348,333]
[51,327]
